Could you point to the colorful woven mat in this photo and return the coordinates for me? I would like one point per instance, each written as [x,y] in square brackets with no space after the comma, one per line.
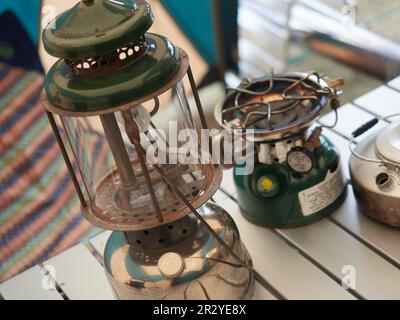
[39,211]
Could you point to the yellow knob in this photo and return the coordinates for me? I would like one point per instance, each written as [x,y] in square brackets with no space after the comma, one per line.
[266,184]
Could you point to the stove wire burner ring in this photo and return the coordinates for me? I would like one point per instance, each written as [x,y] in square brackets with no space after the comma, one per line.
[259,108]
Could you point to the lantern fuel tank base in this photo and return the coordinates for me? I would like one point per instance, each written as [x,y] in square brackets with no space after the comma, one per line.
[180,260]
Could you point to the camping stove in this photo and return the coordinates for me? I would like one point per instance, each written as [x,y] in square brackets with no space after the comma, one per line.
[297,175]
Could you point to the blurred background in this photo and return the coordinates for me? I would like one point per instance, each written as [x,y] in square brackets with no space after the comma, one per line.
[356,39]
[226,40]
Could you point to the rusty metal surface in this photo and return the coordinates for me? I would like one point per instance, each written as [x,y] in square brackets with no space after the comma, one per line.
[104,214]
[279,106]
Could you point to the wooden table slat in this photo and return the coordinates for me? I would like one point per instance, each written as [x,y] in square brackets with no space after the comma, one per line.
[395,83]
[286,270]
[261,294]
[80,275]
[334,249]
[383,101]
[99,241]
[28,286]
[378,235]
[228,183]
[350,119]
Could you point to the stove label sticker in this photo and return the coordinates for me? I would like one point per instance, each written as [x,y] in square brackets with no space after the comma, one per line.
[323,194]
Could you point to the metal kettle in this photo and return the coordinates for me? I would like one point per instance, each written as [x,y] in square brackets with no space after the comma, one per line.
[374,170]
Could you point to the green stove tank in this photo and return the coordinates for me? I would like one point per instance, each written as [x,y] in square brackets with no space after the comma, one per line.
[297,177]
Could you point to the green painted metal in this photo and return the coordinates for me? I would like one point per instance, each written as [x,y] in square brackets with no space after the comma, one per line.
[96,28]
[283,209]
[105,90]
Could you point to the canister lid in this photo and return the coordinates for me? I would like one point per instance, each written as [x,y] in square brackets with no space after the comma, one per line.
[388,143]
[97,27]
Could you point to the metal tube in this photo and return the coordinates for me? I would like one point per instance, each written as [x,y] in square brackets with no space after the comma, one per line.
[197,99]
[147,179]
[133,133]
[85,183]
[66,159]
[118,150]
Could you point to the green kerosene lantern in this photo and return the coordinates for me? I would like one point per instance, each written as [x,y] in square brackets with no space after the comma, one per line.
[168,242]
[297,176]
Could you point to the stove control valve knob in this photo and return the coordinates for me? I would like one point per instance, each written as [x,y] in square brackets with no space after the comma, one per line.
[314,141]
[268,186]
[171,265]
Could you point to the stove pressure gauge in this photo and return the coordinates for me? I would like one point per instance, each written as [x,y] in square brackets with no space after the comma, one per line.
[300,160]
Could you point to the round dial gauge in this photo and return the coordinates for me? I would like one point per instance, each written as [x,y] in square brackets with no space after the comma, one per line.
[300,160]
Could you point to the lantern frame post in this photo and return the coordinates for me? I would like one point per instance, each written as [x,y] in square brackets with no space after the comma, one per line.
[67,160]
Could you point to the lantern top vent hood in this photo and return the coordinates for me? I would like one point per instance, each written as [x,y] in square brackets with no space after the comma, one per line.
[108,61]
[97,27]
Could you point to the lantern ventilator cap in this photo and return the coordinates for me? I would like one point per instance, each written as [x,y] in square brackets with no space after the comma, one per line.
[108,60]
[97,27]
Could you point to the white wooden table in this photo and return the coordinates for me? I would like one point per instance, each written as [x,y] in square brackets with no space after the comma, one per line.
[303,263]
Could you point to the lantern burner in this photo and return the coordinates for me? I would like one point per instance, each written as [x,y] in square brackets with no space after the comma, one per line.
[110,211]
[164,236]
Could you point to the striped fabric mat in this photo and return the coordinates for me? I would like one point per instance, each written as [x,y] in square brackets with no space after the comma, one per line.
[39,210]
